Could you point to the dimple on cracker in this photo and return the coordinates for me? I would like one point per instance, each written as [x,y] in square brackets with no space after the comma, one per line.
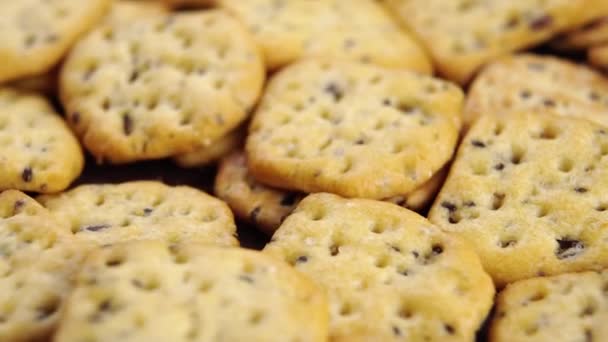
[35,34]
[462,35]
[538,83]
[149,291]
[528,191]
[352,129]
[569,306]
[358,30]
[112,213]
[265,207]
[38,259]
[38,152]
[390,275]
[215,151]
[160,85]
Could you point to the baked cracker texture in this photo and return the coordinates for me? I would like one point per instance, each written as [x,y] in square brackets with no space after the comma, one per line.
[35,34]
[538,83]
[528,191]
[38,259]
[571,307]
[352,129]
[160,85]
[149,291]
[358,30]
[390,275]
[38,151]
[112,213]
[463,35]
[266,207]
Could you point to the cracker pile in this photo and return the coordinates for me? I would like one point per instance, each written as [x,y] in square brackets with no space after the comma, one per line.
[303,170]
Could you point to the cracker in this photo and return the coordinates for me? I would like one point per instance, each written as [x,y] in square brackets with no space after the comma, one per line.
[528,191]
[263,206]
[35,35]
[334,29]
[38,152]
[107,214]
[462,35]
[389,274]
[147,291]
[213,152]
[569,307]
[421,198]
[126,10]
[352,129]
[592,34]
[160,85]
[538,83]
[37,261]
[598,57]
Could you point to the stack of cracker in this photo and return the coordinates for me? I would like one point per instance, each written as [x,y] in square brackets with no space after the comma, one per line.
[335,126]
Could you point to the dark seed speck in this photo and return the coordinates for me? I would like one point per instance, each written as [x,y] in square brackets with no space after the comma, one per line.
[246,278]
[478,143]
[127,124]
[27,174]
[96,228]
[449,206]
[335,91]
[541,22]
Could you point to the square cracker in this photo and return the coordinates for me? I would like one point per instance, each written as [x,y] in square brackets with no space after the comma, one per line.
[112,213]
[462,35]
[288,30]
[149,291]
[38,152]
[538,83]
[160,85]
[38,258]
[572,307]
[528,191]
[36,34]
[352,129]
[390,274]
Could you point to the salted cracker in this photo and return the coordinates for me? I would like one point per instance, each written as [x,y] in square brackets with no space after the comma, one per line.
[528,191]
[149,291]
[390,275]
[160,85]
[112,213]
[352,129]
